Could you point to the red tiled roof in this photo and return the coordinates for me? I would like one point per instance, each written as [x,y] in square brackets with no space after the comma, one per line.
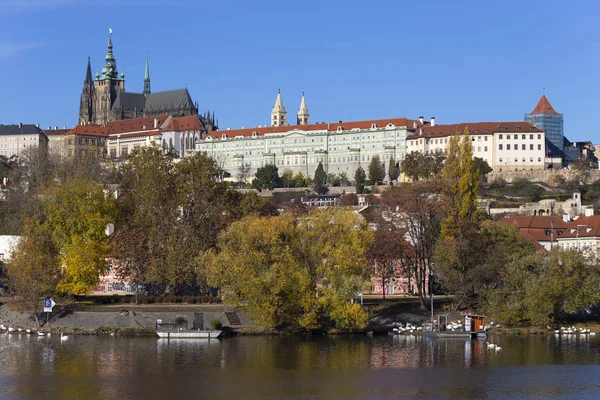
[188,123]
[536,226]
[89,130]
[346,126]
[475,128]
[544,106]
[56,132]
[136,124]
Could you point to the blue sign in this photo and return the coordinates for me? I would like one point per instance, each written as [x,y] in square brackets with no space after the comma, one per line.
[48,304]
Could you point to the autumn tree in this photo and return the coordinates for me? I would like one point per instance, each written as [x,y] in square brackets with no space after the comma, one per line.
[77,214]
[34,270]
[244,173]
[287,178]
[385,254]
[359,180]
[413,211]
[376,172]
[294,269]
[460,187]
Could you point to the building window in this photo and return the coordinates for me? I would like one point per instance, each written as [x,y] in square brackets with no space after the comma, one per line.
[516,159]
[500,159]
[508,147]
[539,137]
[485,138]
[523,147]
[523,137]
[485,148]
[530,147]
[516,136]
[530,159]
[539,146]
[500,146]
[539,159]
[500,137]
[531,137]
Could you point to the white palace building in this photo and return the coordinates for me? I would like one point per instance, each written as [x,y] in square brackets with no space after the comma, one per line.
[340,146]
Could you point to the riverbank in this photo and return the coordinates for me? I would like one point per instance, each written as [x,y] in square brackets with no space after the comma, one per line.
[140,320]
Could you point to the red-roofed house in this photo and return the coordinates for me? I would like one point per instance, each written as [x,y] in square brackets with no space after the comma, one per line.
[548,231]
[513,146]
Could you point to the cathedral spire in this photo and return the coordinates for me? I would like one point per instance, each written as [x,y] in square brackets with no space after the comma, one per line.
[278,114]
[110,68]
[88,73]
[147,78]
[303,115]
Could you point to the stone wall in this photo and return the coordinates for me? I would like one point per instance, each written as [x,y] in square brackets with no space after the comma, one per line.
[547,175]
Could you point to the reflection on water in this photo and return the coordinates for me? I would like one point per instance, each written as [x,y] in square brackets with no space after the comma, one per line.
[33,367]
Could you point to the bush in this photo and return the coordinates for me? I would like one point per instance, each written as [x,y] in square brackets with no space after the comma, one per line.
[181,321]
[216,324]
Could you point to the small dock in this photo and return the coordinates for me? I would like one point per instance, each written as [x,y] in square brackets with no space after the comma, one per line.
[190,334]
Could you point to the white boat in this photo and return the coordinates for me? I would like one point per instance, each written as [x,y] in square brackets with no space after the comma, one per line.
[189,334]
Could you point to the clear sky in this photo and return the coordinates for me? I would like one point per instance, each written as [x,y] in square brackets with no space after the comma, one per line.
[455,60]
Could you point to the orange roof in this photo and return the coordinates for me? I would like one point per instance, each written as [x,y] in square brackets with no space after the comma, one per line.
[544,106]
[188,123]
[89,130]
[346,126]
[475,128]
[136,124]
[56,132]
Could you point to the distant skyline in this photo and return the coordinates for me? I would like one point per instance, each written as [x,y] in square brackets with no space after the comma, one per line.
[463,61]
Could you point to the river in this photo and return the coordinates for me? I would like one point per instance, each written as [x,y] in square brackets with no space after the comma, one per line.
[342,367]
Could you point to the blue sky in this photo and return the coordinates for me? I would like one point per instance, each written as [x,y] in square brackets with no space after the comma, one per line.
[455,60]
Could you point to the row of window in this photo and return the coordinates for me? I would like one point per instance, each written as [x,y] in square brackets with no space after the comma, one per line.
[539,136]
[523,147]
[523,159]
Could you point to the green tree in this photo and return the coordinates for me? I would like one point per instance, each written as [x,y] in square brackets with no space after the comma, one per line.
[540,288]
[33,271]
[320,175]
[412,164]
[359,180]
[393,170]
[266,177]
[343,176]
[376,172]
[299,180]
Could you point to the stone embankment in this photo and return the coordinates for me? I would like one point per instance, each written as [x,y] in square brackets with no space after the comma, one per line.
[94,319]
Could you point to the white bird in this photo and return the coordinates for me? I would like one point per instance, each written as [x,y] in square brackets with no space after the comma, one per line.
[63,337]
[11,329]
[41,334]
[48,334]
[490,345]
[498,348]
[28,330]
[557,331]
[592,333]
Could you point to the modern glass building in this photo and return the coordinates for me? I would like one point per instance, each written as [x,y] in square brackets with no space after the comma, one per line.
[545,117]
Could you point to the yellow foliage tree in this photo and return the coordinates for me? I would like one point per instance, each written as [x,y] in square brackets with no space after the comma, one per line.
[289,271]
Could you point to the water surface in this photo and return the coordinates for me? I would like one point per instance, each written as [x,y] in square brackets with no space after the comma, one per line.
[357,367]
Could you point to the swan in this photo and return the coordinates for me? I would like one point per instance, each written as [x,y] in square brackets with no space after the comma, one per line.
[28,330]
[557,331]
[63,337]
[490,345]
[11,329]
[498,348]
[41,334]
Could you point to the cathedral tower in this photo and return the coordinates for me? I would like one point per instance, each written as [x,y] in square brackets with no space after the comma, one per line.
[86,105]
[107,87]
[278,114]
[303,115]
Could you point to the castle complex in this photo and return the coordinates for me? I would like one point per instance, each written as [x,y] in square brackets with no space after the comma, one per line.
[104,99]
